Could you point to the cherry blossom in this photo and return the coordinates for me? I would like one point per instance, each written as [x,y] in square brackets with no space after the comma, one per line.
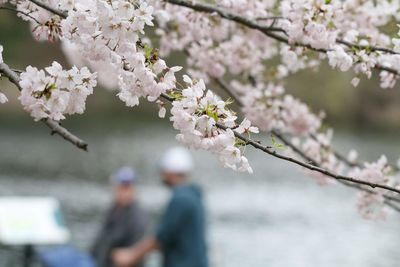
[3,98]
[1,54]
[245,127]
[352,156]
[372,206]
[57,93]
[339,58]
[196,115]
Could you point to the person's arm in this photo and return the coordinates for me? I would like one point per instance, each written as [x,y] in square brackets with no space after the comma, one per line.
[129,256]
[175,215]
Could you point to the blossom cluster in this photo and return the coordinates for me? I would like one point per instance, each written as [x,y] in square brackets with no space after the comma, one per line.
[197,115]
[215,46]
[269,108]
[344,32]
[109,33]
[318,148]
[57,92]
[370,205]
[312,22]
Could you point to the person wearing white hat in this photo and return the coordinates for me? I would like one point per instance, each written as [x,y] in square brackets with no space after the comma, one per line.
[181,233]
[125,223]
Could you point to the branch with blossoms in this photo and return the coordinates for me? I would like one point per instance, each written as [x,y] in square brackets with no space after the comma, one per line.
[223,46]
[272,32]
[231,93]
[191,96]
[54,126]
[389,199]
[114,43]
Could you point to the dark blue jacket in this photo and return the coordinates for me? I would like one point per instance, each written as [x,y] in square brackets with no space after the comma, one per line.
[182,229]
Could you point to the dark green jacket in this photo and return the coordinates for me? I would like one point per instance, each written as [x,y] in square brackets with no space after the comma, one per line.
[182,230]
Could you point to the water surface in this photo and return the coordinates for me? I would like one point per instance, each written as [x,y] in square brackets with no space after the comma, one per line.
[276,217]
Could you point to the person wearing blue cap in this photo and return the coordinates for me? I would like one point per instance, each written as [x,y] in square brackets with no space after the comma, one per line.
[125,223]
[181,233]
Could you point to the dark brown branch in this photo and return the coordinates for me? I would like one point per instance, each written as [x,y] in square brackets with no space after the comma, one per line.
[271,18]
[55,127]
[60,13]
[308,166]
[207,8]
[299,152]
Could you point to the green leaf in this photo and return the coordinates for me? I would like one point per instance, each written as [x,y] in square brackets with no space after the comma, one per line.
[331,25]
[147,51]
[212,114]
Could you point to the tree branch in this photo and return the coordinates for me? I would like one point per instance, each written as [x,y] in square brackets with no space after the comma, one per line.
[311,167]
[388,199]
[55,127]
[207,8]
[308,166]
[299,152]
[60,13]
[271,32]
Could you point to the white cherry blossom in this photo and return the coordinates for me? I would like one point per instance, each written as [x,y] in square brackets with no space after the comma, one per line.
[57,93]
[3,98]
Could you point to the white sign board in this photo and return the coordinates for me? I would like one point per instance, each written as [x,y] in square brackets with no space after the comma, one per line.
[31,220]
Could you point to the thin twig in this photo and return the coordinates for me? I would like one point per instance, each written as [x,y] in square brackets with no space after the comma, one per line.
[392,206]
[362,47]
[21,12]
[271,18]
[55,127]
[232,94]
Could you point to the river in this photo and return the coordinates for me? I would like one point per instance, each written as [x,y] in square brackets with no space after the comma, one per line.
[276,217]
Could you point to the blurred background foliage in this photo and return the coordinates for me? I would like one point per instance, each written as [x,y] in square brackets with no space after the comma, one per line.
[367,106]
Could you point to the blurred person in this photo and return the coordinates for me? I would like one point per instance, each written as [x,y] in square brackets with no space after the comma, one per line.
[181,232]
[125,223]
